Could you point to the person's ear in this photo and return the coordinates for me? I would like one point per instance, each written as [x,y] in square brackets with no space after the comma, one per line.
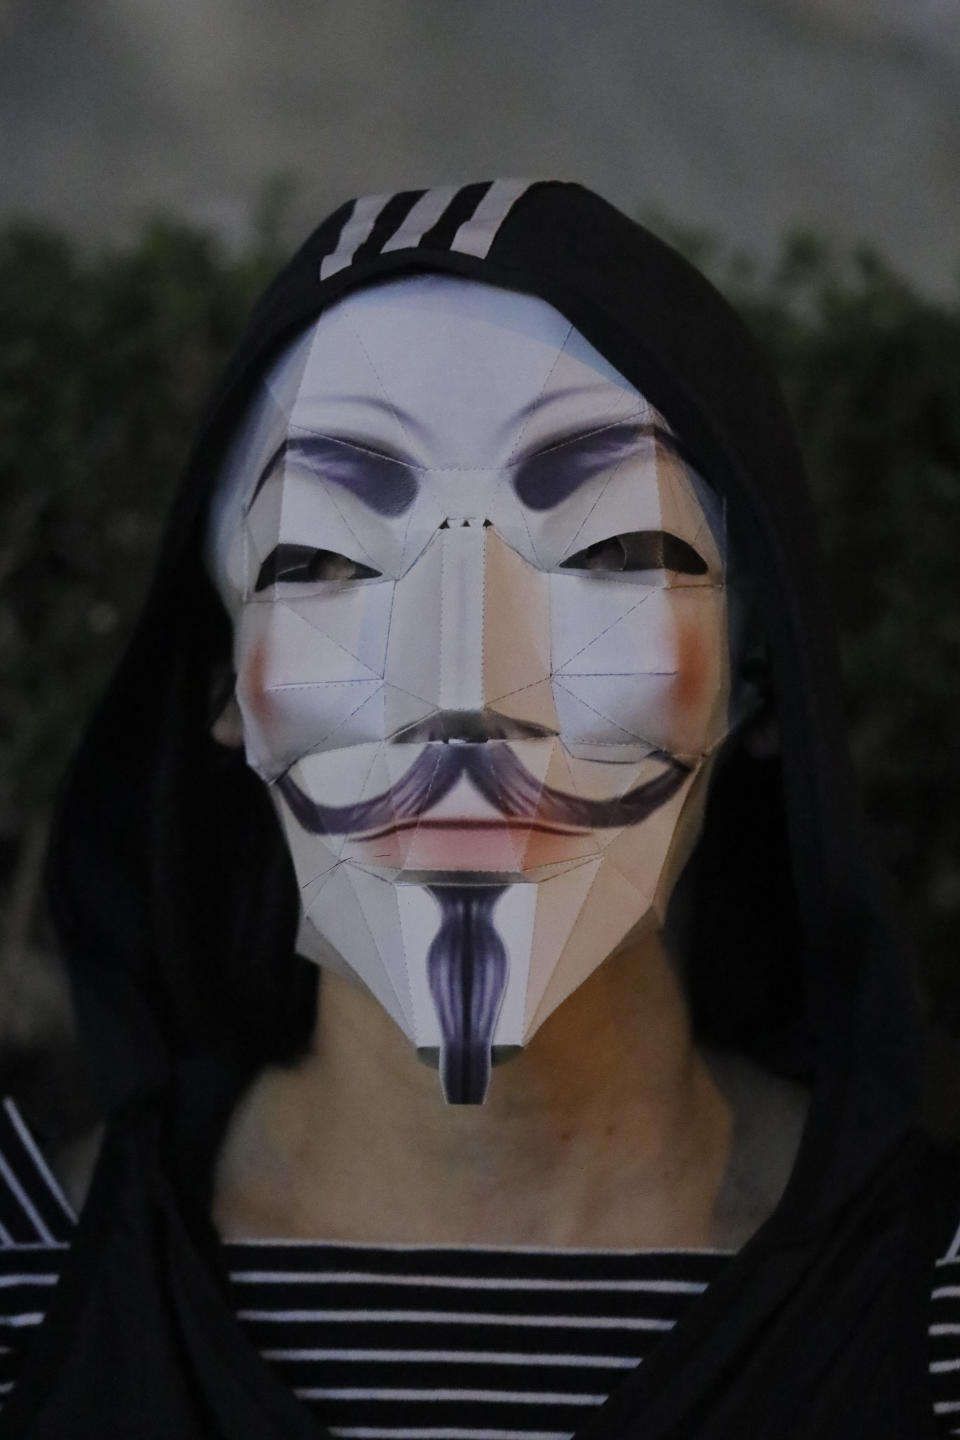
[759,731]
[226,722]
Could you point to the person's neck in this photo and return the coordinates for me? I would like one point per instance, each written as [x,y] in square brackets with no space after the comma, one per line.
[607,1130]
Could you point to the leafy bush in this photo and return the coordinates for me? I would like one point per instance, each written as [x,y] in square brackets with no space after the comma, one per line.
[872,374]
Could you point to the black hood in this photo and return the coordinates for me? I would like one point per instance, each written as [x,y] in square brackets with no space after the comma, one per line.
[170,884]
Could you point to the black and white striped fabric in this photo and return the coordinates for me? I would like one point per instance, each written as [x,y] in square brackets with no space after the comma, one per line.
[463,218]
[945,1339]
[407,1341]
[423,1343]
[36,1224]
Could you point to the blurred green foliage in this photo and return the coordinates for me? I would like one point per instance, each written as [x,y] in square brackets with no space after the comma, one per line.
[872,374]
[105,362]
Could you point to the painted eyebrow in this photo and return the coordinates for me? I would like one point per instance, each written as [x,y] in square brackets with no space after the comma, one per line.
[552,474]
[542,479]
[384,482]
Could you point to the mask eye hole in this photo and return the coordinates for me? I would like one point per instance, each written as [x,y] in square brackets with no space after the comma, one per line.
[302,564]
[638,550]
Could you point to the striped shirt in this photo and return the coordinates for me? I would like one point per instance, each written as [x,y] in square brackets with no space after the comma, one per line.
[412,1342]
[403,1341]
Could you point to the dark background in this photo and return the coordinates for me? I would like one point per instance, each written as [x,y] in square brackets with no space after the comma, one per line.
[159,157]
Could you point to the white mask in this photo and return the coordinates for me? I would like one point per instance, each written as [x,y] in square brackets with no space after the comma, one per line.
[482,654]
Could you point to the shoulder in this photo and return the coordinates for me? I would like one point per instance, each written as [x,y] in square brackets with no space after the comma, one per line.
[944,1333]
[34,1206]
[72,1162]
[37,1221]
[944,1310]
[60,1167]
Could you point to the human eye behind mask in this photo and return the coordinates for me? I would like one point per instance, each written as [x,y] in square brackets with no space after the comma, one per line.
[647,552]
[304,565]
[483,665]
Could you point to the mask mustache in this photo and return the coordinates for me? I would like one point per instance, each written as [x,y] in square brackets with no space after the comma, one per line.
[431,776]
[499,776]
[504,780]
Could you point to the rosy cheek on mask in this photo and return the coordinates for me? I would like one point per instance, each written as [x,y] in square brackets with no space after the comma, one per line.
[694,686]
[253,681]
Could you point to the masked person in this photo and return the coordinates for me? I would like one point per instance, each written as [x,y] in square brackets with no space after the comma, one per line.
[492,571]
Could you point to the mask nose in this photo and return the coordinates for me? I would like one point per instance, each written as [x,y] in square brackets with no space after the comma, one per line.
[470,629]
[462,542]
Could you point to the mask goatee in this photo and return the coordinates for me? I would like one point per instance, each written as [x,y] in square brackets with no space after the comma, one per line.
[467,973]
